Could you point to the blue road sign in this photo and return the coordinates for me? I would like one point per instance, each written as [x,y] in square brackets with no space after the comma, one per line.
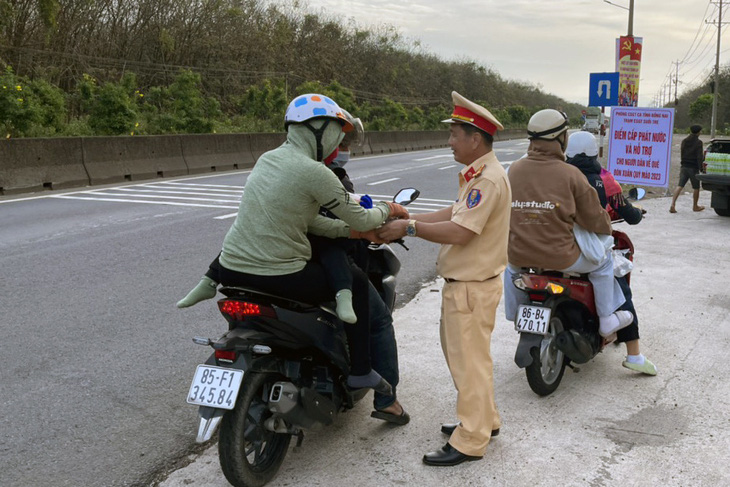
[603,90]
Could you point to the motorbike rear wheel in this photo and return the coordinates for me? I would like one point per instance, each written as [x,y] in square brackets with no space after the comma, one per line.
[250,455]
[548,363]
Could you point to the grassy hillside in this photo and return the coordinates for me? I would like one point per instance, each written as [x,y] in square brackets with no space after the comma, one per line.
[77,67]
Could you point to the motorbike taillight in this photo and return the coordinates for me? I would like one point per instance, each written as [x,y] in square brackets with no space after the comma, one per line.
[539,283]
[237,310]
[225,355]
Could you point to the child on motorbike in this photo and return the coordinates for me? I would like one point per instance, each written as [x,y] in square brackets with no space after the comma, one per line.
[582,152]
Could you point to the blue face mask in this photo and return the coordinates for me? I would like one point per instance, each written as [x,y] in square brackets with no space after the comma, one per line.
[342,158]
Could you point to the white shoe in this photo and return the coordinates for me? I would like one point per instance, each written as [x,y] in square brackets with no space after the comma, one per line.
[617,321]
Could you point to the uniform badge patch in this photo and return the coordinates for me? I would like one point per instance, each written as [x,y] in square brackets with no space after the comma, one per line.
[474,198]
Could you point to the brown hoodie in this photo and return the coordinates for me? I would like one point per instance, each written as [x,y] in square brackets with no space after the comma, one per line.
[548,197]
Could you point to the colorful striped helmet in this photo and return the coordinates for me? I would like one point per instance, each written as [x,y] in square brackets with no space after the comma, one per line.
[313,105]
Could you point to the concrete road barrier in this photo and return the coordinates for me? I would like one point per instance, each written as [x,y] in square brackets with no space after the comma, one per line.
[217,152]
[383,142]
[36,164]
[511,134]
[261,143]
[115,159]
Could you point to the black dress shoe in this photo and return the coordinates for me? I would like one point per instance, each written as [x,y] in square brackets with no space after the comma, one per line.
[448,428]
[447,456]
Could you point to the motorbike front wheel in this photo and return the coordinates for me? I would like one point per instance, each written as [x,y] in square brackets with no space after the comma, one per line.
[250,455]
[548,363]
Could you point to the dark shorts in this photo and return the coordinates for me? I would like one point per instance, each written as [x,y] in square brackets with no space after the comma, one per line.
[688,174]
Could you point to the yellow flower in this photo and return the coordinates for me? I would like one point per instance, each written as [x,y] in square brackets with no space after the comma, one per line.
[19,88]
[141,95]
[131,133]
[7,136]
[136,124]
[5,87]
[20,100]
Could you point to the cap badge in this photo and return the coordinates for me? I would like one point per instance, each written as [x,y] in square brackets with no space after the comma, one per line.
[462,117]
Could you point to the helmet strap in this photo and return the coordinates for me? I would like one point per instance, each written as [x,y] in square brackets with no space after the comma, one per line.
[318,136]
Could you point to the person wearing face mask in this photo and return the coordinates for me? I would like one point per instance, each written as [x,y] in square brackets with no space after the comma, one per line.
[267,246]
[549,198]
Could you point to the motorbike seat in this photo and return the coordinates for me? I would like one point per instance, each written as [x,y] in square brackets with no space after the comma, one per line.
[280,301]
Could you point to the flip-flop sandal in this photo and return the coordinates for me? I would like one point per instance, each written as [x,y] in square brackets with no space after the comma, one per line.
[400,419]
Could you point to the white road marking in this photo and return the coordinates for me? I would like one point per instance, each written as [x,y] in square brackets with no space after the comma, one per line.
[167,197]
[185,189]
[383,181]
[193,186]
[441,156]
[223,217]
[162,191]
[119,200]
[447,167]
[183,178]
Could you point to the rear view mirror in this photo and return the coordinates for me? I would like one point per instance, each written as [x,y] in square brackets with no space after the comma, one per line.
[406,196]
[637,193]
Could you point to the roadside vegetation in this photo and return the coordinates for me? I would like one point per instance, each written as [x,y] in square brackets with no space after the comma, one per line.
[108,67]
[695,105]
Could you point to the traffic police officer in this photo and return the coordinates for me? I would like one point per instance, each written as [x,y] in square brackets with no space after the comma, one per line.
[473,233]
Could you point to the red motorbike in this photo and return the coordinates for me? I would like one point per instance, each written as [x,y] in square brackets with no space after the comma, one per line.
[560,325]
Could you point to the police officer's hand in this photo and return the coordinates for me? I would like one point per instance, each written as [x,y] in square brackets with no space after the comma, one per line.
[398,211]
[393,230]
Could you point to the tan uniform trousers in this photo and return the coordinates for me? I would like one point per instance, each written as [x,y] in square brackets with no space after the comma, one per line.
[468,312]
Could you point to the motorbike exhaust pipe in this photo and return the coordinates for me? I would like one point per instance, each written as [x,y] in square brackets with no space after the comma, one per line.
[575,346]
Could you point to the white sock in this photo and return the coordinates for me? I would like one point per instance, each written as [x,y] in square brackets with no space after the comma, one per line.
[608,322]
[636,359]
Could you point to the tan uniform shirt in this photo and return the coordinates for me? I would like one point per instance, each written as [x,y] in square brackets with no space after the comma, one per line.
[483,206]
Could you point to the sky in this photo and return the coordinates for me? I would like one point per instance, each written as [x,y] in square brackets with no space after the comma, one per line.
[554,44]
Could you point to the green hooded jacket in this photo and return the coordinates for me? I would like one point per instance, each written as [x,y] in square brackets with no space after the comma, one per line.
[281,202]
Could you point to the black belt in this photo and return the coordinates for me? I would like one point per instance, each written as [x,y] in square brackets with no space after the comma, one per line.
[449,280]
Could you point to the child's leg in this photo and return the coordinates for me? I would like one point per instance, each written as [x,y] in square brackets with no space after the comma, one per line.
[206,288]
[337,268]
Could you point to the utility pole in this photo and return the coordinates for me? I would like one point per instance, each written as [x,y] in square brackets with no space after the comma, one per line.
[631,19]
[676,82]
[713,124]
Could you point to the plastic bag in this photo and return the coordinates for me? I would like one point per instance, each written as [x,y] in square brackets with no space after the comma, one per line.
[621,265]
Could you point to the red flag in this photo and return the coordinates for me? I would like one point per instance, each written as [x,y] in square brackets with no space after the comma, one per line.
[626,46]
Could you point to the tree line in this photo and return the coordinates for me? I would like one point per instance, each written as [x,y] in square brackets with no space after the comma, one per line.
[694,106]
[104,67]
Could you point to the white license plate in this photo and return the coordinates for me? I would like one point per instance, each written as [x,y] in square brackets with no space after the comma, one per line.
[532,319]
[216,387]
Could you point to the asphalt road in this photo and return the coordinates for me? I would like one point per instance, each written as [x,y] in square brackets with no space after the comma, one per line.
[96,360]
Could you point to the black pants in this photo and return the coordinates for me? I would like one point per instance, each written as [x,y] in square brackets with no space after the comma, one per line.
[332,255]
[631,332]
[310,285]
